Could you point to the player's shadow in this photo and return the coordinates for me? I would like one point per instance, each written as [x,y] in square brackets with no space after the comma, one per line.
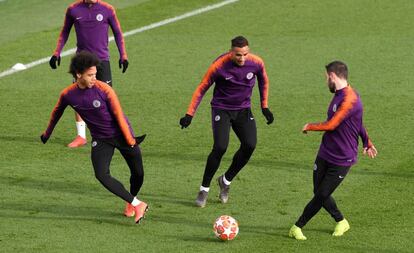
[40,211]
[32,140]
[269,230]
[174,156]
[164,198]
[181,220]
[66,187]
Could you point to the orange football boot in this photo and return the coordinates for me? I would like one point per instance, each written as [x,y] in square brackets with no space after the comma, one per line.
[129,210]
[140,212]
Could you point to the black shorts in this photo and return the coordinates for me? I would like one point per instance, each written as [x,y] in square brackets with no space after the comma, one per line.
[242,122]
[104,72]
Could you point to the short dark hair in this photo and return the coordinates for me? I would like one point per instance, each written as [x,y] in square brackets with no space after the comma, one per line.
[339,68]
[239,41]
[81,62]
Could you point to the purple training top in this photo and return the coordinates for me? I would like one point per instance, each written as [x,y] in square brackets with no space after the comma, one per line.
[91,25]
[234,84]
[99,107]
[342,129]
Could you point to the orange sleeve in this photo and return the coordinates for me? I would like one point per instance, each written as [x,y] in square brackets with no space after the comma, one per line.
[64,32]
[116,109]
[205,84]
[262,79]
[330,125]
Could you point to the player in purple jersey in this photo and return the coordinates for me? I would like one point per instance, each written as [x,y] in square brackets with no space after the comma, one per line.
[98,104]
[92,19]
[234,75]
[338,150]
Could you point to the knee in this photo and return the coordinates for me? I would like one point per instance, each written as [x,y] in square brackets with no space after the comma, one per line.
[219,150]
[137,175]
[101,176]
[248,148]
[322,195]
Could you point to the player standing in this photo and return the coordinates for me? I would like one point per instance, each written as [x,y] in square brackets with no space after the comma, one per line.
[338,150]
[234,75]
[97,103]
[91,19]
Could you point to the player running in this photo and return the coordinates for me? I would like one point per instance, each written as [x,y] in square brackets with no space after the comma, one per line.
[234,74]
[338,150]
[97,103]
[91,19]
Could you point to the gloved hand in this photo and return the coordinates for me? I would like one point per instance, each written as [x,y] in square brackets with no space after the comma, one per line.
[140,139]
[43,138]
[268,115]
[53,60]
[185,121]
[123,64]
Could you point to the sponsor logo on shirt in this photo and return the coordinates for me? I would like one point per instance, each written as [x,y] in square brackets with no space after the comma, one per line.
[334,108]
[94,143]
[249,75]
[229,77]
[341,177]
[78,18]
[217,118]
[99,17]
[96,103]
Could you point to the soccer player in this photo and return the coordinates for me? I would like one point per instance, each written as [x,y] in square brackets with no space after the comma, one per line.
[91,19]
[234,75]
[97,103]
[338,150]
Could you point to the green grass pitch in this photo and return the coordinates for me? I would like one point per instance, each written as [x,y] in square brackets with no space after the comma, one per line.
[51,202]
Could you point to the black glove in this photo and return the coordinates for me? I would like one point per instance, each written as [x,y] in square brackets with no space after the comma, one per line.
[140,139]
[43,138]
[268,115]
[123,64]
[185,121]
[53,60]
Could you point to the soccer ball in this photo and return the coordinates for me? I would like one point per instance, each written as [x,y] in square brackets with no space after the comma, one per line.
[226,228]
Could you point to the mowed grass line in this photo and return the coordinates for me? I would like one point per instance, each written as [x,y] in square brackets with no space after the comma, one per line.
[50,200]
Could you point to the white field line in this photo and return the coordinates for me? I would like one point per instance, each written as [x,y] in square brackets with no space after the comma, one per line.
[126,34]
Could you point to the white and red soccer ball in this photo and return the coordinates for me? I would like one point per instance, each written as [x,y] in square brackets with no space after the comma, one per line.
[226,228]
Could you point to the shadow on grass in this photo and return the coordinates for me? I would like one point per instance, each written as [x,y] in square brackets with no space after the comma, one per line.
[182,220]
[53,186]
[164,198]
[37,211]
[33,140]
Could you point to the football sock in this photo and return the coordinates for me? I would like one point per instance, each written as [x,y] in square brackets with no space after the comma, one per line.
[135,202]
[81,128]
[225,181]
[206,189]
